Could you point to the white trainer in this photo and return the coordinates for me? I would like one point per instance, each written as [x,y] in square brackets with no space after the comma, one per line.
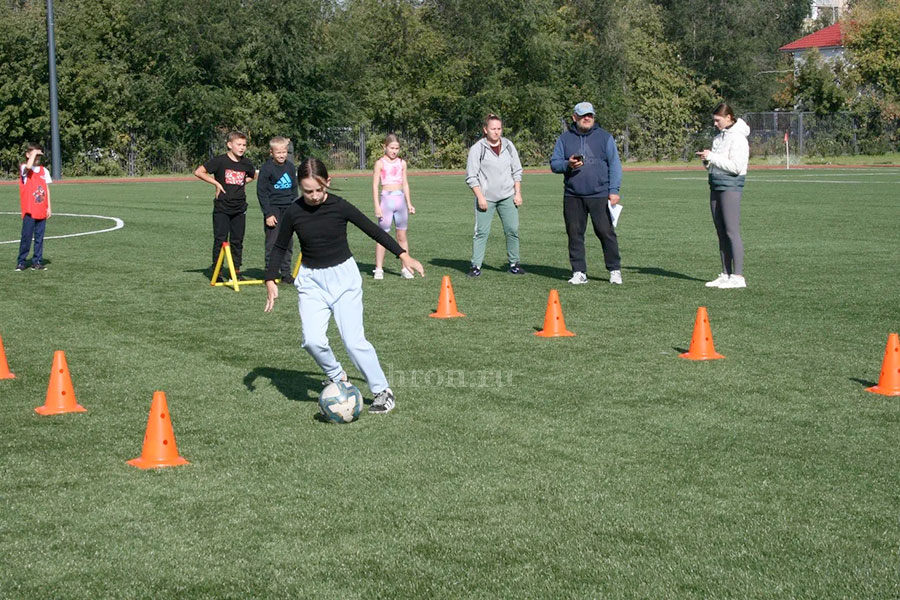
[718,281]
[406,273]
[734,282]
[578,278]
[378,273]
[615,277]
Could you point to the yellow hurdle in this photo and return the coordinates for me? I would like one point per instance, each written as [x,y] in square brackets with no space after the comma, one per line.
[225,257]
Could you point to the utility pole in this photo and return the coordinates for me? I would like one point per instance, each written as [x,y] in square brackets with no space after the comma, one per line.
[56,163]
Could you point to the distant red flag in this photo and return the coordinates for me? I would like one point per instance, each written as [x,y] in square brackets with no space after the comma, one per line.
[785,137]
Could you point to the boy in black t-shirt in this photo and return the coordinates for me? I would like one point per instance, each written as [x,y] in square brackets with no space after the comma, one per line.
[229,173]
[276,191]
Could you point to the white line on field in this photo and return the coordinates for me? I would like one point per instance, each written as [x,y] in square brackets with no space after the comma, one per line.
[119,224]
[757,180]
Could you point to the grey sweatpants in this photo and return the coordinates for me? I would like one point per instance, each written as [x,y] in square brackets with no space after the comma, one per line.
[726,214]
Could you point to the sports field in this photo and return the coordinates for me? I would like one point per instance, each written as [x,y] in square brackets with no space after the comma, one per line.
[596,466]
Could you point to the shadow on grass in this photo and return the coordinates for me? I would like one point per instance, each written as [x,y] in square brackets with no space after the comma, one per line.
[864,382]
[44,261]
[549,272]
[660,273]
[207,272]
[251,273]
[462,266]
[294,385]
[448,263]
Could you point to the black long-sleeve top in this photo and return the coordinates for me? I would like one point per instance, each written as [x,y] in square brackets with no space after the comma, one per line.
[322,231]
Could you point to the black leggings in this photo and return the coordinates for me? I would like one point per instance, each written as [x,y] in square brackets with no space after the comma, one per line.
[726,213]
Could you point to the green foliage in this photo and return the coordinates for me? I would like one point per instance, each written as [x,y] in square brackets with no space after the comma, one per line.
[24,93]
[873,38]
[663,99]
[155,84]
[819,87]
[732,43]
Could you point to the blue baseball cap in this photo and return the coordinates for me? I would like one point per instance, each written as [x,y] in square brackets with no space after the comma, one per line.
[583,108]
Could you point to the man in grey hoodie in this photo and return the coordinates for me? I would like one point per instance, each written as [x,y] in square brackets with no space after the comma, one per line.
[587,157]
[494,173]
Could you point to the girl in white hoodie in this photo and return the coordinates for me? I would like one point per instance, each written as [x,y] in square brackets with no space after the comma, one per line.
[726,162]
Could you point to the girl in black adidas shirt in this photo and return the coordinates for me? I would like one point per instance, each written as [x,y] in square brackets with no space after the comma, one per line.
[329,281]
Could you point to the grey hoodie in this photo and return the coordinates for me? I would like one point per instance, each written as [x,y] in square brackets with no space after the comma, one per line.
[495,175]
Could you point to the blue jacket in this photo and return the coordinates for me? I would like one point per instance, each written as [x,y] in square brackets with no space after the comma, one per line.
[601,174]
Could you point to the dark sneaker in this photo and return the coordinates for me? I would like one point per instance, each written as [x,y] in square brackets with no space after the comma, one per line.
[38,267]
[240,276]
[474,272]
[383,402]
[516,269]
[287,280]
[20,267]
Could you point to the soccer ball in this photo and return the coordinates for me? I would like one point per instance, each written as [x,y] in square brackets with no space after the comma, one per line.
[340,402]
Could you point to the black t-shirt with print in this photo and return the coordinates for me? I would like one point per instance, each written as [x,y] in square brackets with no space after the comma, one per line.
[233,177]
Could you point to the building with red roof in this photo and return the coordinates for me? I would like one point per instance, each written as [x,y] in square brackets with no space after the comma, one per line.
[828,41]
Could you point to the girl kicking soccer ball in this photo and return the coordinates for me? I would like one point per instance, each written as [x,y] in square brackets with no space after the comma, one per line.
[394,204]
[328,281]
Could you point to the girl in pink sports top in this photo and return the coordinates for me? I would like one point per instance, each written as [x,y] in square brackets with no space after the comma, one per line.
[393,204]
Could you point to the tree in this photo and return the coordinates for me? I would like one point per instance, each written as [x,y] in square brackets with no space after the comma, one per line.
[664,99]
[24,93]
[96,102]
[873,39]
[818,86]
[732,43]
[290,82]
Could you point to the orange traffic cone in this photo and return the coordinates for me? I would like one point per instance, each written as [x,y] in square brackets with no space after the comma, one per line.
[60,395]
[159,440]
[554,324]
[701,343]
[5,373]
[446,302]
[889,382]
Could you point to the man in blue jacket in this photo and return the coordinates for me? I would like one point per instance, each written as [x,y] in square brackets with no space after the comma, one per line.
[587,157]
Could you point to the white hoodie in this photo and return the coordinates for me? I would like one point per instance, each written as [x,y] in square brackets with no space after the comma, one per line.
[729,153]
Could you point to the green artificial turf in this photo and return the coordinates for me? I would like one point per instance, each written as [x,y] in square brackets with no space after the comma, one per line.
[597,466]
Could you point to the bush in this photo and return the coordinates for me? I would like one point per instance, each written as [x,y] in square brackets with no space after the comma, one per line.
[97,162]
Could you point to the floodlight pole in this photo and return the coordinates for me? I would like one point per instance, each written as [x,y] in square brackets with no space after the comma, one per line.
[56,158]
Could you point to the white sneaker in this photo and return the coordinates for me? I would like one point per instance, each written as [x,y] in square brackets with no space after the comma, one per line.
[615,277]
[718,281]
[578,278]
[406,274]
[734,282]
[378,273]
[383,403]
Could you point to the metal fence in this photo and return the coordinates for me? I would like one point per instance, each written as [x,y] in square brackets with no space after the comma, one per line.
[357,147]
[816,135]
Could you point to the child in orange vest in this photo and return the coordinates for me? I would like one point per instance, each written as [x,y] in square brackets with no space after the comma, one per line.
[34,198]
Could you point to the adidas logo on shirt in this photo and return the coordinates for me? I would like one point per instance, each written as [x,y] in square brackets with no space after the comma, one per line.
[284,183]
